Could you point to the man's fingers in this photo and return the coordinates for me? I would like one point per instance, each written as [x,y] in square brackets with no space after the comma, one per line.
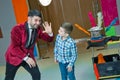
[44,31]
[43,25]
[31,63]
[46,24]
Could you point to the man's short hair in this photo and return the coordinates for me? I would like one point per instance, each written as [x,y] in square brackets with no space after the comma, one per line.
[67,26]
[32,13]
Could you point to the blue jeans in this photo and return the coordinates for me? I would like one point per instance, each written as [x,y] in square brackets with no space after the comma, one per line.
[65,74]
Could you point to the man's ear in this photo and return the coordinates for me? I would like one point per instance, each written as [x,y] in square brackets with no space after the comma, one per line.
[29,18]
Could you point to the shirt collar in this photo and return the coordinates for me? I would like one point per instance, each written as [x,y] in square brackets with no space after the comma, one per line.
[29,26]
[66,38]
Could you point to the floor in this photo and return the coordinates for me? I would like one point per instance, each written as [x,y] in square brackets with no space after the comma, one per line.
[50,70]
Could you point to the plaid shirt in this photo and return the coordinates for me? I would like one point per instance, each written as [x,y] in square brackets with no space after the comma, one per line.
[65,51]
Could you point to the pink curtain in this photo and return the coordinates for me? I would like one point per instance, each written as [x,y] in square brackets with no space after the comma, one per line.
[109,11]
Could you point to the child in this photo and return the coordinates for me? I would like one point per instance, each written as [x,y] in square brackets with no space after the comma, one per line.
[65,51]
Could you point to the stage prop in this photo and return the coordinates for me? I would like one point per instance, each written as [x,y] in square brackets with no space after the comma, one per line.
[96,33]
[108,70]
[99,19]
[106,66]
[96,30]
[101,59]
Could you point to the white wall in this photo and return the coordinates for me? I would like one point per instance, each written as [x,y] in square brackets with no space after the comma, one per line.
[7,20]
[117,28]
[118,5]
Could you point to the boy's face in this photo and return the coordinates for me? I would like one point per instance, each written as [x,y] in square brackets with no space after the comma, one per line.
[62,32]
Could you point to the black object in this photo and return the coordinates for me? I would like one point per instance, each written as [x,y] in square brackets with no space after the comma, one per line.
[110,67]
[103,42]
[107,58]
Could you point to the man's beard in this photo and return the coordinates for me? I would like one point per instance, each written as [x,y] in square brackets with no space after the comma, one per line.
[34,26]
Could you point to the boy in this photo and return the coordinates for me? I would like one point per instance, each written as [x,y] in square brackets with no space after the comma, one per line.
[65,51]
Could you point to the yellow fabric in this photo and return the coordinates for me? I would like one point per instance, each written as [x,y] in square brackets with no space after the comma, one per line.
[113,42]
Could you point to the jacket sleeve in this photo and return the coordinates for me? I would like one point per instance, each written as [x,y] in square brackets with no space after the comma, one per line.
[17,48]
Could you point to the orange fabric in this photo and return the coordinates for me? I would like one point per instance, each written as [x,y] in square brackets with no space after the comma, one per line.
[100,59]
[21,10]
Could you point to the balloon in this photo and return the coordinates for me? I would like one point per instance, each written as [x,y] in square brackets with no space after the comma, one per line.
[82,29]
[92,19]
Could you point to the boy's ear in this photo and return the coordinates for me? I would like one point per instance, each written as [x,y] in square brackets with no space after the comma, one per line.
[67,34]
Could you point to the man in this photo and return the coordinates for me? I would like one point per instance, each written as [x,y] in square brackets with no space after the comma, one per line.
[23,38]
